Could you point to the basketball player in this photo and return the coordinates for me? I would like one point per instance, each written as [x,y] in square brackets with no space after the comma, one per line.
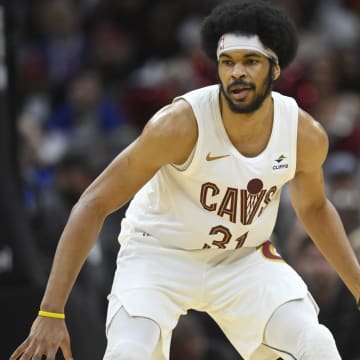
[206,175]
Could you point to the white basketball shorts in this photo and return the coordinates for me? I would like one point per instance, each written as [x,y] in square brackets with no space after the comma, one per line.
[239,289]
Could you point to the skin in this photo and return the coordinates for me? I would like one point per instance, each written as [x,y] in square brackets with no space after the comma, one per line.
[174,128]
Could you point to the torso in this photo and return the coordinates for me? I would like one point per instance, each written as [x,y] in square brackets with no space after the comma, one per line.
[249,134]
[228,195]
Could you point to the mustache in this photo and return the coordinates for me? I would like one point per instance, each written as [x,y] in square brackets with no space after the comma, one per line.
[240,82]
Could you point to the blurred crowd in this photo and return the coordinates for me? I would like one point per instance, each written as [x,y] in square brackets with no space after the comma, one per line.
[90,73]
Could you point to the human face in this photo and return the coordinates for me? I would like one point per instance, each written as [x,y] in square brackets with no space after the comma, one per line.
[246,79]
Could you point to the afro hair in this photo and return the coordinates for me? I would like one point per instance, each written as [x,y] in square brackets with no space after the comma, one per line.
[251,17]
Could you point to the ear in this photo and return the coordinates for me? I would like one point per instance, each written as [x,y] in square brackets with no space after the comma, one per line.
[276,72]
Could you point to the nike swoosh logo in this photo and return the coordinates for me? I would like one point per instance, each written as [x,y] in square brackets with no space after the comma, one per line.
[212,158]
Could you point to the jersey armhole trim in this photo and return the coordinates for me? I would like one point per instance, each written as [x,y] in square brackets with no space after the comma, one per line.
[189,165]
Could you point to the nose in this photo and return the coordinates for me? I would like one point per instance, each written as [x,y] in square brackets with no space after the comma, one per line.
[238,71]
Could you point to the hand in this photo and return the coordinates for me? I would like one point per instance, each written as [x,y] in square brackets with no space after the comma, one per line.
[46,337]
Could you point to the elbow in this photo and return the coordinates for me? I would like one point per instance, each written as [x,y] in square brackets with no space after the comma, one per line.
[313,210]
[90,204]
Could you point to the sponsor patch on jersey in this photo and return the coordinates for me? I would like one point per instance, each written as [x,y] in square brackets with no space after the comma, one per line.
[280,162]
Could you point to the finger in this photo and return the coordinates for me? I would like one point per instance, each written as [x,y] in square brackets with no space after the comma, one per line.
[28,354]
[66,350]
[31,354]
[37,357]
[20,350]
[39,353]
[51,355]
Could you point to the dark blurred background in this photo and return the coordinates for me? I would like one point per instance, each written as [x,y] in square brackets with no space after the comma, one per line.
[79,79]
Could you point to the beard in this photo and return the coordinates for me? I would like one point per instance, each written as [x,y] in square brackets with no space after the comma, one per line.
[256,103]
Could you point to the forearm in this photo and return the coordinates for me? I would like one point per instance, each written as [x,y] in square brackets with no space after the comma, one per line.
[325,228]
[76,241]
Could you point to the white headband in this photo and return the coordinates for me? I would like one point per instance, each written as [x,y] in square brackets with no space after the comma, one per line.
[233,41]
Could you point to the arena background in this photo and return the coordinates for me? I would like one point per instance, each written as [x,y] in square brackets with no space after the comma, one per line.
[79,79]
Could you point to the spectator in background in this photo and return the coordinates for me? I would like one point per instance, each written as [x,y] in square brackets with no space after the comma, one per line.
[61,47]
[154,85]
[46,63]
[160,28]
[342,176]
[333,299]
[188,37]
[335,107]
[72,174]
[64,46]
[341,171]
[112,51]
[88,120]
[190,341]
[158,81]
[52,59]
[335,23]
[236,103]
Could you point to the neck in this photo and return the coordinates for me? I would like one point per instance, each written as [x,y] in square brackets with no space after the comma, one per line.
[247,123]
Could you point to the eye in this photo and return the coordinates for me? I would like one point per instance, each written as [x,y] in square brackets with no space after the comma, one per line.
[252,61]
[227,62]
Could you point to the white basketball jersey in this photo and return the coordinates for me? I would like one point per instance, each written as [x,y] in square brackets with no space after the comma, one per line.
[222,199]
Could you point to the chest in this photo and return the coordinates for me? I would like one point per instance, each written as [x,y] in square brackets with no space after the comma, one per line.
[251,143]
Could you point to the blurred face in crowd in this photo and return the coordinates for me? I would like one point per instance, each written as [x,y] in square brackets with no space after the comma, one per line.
[61,18]
[323,74]
[72,180]
[319,275]
[344,194]
[85,92]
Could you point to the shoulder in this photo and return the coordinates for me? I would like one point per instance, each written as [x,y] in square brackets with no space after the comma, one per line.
[173,128]
[312,143]
[172,120]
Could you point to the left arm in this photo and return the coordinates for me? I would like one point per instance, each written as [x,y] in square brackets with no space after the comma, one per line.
[318,216]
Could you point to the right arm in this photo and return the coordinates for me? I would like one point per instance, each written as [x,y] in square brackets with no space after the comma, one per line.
[167,138]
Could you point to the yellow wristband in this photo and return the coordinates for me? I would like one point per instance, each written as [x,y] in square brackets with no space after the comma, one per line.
[51,314]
